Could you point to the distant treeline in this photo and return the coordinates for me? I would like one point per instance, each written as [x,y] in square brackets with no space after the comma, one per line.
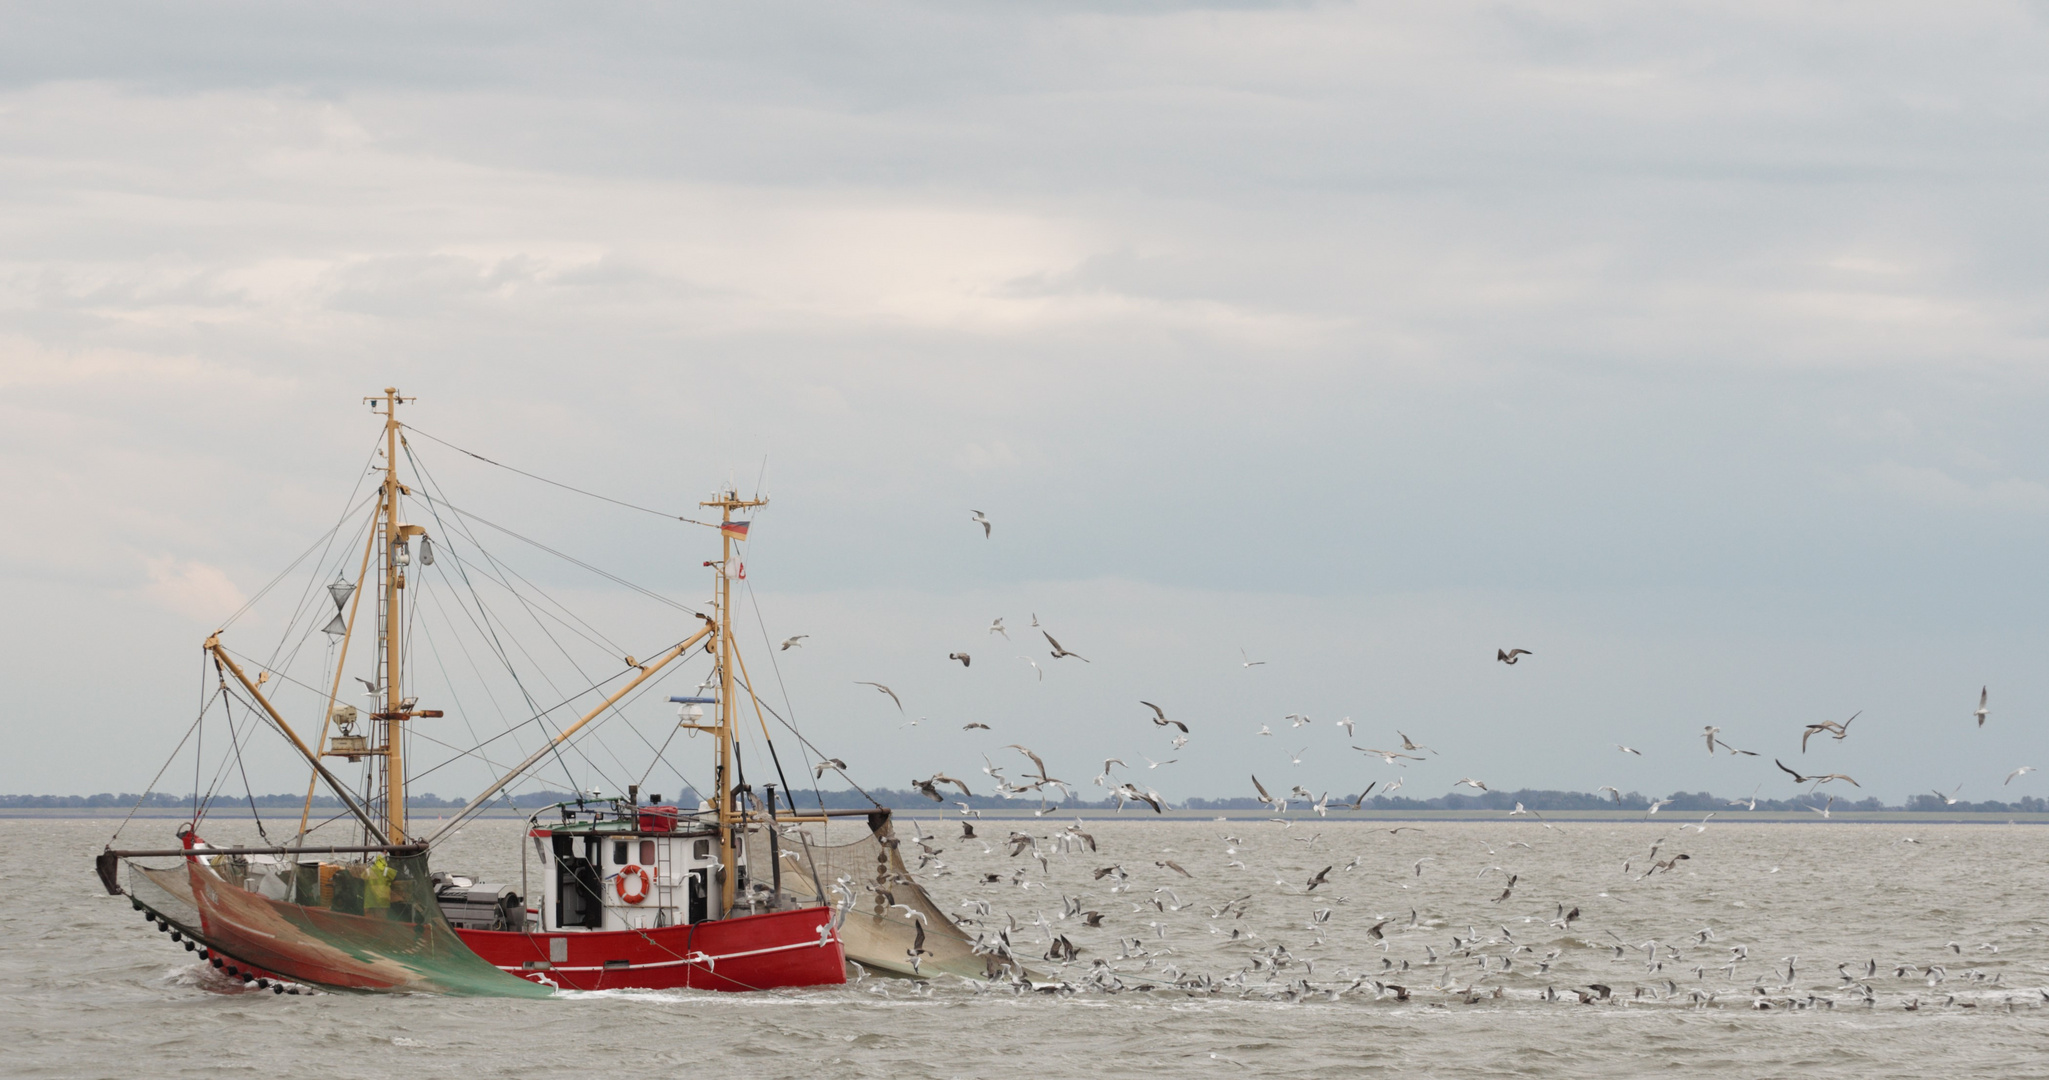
[1680,801]
[1677,802]
[165,800]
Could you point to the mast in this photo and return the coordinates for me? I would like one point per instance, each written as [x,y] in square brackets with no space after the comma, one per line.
[730,816]
[391,537]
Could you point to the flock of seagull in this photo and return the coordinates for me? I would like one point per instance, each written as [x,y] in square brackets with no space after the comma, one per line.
[1441,960]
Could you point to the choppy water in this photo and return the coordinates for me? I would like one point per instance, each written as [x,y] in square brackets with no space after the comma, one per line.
[91,991]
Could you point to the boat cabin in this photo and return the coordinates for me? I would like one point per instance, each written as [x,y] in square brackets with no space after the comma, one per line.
[629,867]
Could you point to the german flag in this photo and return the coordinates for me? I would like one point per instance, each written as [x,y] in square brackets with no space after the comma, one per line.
[735,529]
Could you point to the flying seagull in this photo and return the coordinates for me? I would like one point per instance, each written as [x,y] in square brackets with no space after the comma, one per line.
[1035,667]
[960,656]
[997,628]
[1249,661]
[1388,756]
[828,763]
[1629,749]
[1160,717]
[796,642]
[1841,731]
[1510,656]
[930,789]
[892,694]
[1823,779]
[2019,771]
[1059,652]
[982,520]
[1980,714]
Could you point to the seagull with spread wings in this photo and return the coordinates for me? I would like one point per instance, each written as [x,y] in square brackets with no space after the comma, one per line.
[1059,652]
[1160,717]
[1821,779]
[884,689]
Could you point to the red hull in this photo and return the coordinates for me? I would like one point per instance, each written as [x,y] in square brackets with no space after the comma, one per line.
[747,952]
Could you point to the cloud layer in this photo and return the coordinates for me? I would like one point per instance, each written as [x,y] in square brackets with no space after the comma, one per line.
[1698,349]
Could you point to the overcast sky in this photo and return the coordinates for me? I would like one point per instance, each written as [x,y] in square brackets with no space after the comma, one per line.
[1697,348]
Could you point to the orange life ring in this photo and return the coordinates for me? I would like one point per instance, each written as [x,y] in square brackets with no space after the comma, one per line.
[647,884]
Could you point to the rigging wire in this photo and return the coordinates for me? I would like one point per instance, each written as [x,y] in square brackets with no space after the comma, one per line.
[768,646]
[168,762]
[428,486]
[243,768]
[607,575]
[261,593]
[497,646]
[563,486]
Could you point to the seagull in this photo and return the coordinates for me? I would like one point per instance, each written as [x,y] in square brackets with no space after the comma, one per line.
[960,656]
[1980,714]
[1160,717]
[973,726]
[829,763]
[892,694]
[930,787]
[1296,757]
[1471,783]
[1951,798]
[1059,652]
[997,628]
[794,642]
[1799,779]
[1280,805]
[1361,800]
[1510,656]
[982,520]
[1346,723]
[2019,771]
[1265,730]
[1151,764]
[1407,743]
[1712,731]
[1249,661]
[1629,749]
[1388,756]
[1035,667]
[1841,731]
[373,688]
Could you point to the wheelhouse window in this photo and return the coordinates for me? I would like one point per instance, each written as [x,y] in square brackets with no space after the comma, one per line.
[647,853]
[619,853]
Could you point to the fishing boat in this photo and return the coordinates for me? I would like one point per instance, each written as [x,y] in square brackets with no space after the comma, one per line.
[734,888]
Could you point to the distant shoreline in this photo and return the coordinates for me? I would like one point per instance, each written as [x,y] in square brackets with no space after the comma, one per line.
[1297,817]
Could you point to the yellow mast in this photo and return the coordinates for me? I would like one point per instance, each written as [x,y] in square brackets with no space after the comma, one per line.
[392,763]
[730,817]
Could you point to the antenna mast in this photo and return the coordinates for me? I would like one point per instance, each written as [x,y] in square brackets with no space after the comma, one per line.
[730,816]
